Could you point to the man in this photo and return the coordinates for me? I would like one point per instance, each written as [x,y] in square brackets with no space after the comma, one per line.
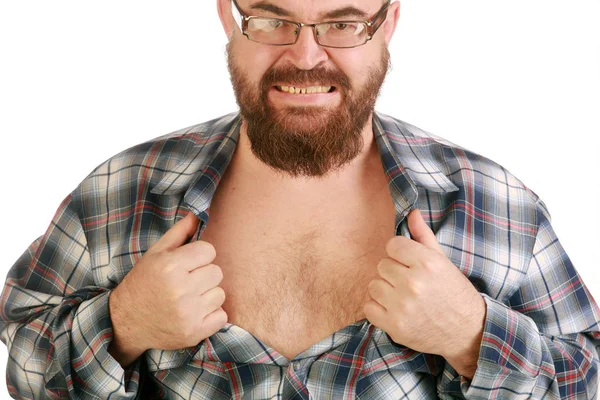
[348,254]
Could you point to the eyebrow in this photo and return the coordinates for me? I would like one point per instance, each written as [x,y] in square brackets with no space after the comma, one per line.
[348,11]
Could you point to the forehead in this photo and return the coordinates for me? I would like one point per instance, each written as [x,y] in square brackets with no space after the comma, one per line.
[312,10]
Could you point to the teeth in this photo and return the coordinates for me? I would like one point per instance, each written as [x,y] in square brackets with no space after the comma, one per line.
[309,90]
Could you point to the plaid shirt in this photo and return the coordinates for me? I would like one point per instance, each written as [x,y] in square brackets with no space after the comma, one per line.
[541,333]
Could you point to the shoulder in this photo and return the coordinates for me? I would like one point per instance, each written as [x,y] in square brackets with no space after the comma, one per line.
[134,171]
[466,169]
[166,151]
[489,208]
[488,225]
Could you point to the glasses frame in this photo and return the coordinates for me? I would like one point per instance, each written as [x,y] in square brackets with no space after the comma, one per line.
[371,25]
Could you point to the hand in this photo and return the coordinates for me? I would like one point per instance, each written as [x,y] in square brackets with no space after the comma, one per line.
[170,298]
[424,302]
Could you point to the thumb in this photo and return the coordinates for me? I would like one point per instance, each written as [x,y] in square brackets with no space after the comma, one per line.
[178,234]
[420,232]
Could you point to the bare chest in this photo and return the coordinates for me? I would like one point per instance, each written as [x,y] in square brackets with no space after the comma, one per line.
[292,284]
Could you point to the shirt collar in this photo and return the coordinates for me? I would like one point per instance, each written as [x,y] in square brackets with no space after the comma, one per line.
[411,158]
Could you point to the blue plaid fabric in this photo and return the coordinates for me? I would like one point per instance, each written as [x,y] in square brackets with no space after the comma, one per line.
[541,334]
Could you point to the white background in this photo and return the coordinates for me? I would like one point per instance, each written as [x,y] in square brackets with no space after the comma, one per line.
[516,81]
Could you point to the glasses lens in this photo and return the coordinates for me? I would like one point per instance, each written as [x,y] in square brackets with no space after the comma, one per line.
[271,31]
[342,34]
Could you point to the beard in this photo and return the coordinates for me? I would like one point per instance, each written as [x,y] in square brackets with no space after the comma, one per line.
[308,141]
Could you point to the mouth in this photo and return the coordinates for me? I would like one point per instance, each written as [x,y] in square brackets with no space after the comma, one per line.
[305,95]
[305,89]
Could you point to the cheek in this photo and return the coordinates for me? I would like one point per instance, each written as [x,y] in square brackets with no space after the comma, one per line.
[255,61]
[354,63]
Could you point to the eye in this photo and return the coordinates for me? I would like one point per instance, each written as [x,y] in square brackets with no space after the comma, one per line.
[264,24]
[274,24]
[340,26]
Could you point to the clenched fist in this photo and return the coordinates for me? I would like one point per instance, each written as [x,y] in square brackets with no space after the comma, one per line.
[423,301]
[170,299]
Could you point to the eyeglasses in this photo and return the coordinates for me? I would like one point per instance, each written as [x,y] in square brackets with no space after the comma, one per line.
[281,32]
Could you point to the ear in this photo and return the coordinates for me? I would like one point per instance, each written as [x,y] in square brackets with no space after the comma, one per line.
[389,26]
[224,9]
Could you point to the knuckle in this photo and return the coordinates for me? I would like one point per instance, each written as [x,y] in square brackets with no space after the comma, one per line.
[370,287]
[181,314]
[381,266]
[208,249]
[373,288]
[399,327]
[168,279]
[216,272]
[223,318]
[164,262]
[211,273]
[415,287]
[220,316]
[431,262]
[188,331]
[167,267]
[172,294]
[394,244]
[440,258]
[220,292]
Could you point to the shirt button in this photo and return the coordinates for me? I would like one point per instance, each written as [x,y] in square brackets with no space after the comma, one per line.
[296,365]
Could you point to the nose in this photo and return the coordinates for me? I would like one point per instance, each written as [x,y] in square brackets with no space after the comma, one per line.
[306,53]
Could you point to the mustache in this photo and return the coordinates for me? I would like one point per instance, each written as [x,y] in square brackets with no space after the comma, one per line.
[295,75]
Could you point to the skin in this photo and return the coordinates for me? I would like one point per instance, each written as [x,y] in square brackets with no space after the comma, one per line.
[421,300]
[310,134]
[255,59]
[424,302]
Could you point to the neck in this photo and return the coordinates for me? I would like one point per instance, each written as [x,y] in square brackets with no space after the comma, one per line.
[357,172]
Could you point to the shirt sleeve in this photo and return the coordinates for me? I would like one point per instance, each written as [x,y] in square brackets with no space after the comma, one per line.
[56,322]
[544,342]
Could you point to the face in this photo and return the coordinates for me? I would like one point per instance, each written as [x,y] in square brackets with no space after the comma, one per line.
[308,134]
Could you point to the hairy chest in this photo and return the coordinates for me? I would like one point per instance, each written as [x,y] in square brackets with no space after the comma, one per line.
[294,287]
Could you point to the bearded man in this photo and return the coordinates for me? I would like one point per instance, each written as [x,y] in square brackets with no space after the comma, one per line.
[349,254]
